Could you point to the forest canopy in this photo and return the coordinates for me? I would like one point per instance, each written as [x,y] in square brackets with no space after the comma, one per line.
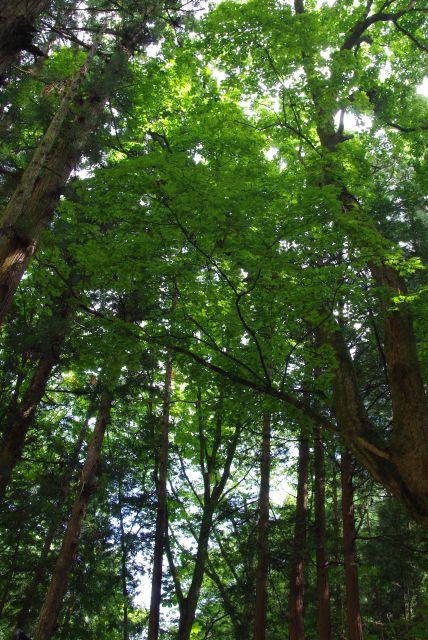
[213,308]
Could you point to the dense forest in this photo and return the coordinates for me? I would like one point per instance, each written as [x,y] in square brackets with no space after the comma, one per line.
[213,307]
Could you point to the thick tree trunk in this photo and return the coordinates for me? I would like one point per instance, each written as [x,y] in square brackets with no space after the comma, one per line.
[297,578]
[400,465]
[53,601]
[323,589]
[263,541]
[29,598]
[14,438]
[17,28]
[33,202]
[355,628]
[161,519]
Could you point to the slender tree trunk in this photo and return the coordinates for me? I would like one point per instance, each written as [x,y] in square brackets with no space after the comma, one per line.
[338,600]
[355,628]
[323,589]
[14,438]
[124,571]
[30,594]
[297,579]
[161,519]
[17,26]
[263,540]
[53,601]
[190,602]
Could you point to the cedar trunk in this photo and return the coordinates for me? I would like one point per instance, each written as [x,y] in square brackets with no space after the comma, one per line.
[161,514]
[42,568]
[323,590]
[53,601]
[297,578]
[37,194]
[355,628]
[263,541]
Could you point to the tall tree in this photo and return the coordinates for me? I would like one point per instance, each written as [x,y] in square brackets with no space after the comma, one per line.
[353,613]
[296,627]
[161,509]
[260,616]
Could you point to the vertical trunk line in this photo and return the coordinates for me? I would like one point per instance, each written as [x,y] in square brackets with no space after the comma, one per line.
[262,569]
[161,513]
[297,578]
[323,589]
[355,627]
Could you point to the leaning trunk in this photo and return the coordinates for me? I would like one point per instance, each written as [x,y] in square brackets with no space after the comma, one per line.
[30,593]
[53,601]
[14,438]
[323,590]
[297,579]
[355,628]
[263,542]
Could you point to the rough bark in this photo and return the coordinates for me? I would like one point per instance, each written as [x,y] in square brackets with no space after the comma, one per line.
[17,28]
[33,202]
[323,589]
[263,541]
[29,596]
[353,613]
[297,578]
[161,519]
[54,597]
[14,437]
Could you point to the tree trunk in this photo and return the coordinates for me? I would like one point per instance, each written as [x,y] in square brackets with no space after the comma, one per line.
[190,602]
[212,495]
[338,600]
[53,601]
[17,28]
[42,568]
[297,578]
[401,464]
[124,571]
[14,438]
[33,202]
[161,519]
[323,590]
[355,628]
[262,569]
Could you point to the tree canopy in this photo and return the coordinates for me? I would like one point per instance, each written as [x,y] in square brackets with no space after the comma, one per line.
[213,307]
